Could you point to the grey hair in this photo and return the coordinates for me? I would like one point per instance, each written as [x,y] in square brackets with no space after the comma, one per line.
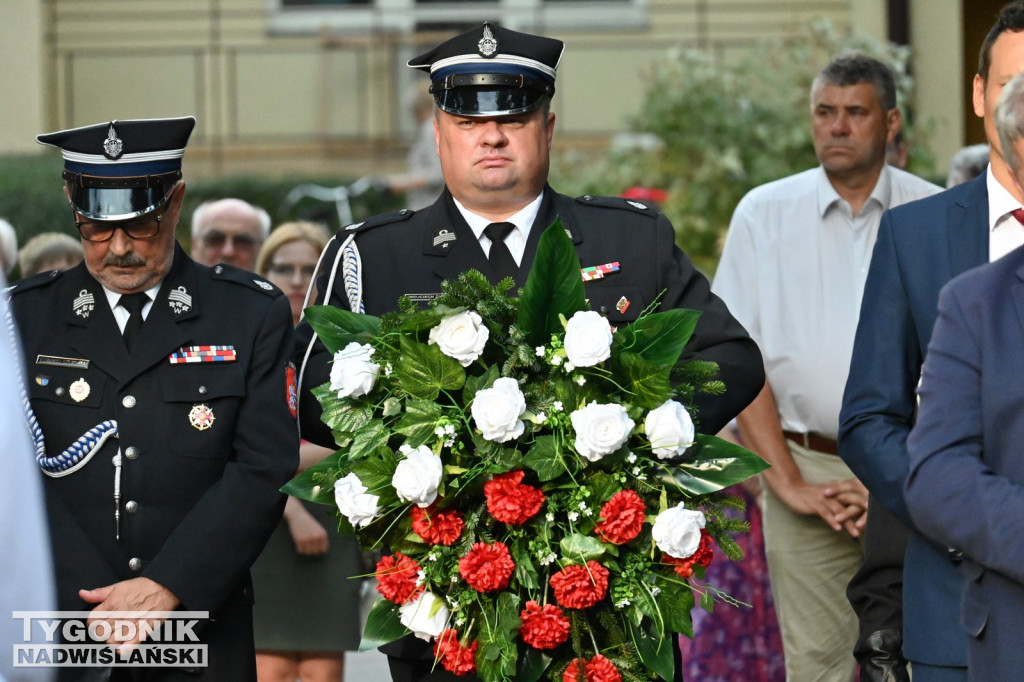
[8,246]
[968,163]
[261,215]
[1009,120]
[853,68]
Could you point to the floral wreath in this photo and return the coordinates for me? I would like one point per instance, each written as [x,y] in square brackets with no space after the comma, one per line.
[534,474]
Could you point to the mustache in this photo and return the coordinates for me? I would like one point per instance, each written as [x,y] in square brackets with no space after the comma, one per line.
[128,260]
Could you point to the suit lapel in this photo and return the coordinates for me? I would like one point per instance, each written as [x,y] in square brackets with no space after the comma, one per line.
[92,329]
[968,232]
[464,252]
[1018,296]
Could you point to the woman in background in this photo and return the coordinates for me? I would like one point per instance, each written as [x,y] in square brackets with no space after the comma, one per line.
[307,602]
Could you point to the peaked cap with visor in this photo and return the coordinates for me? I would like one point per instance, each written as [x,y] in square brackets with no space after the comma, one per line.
[491,71]
[121,170]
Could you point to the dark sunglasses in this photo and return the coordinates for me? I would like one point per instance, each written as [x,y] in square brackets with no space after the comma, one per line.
[146,228]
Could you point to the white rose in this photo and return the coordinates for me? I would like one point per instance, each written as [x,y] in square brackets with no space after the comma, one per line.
[419,616]
[600,429]
[676,531]
[418,475]
[358,506]
[670,429]
[496,410]
[353,374]
[588,338]
[461,336]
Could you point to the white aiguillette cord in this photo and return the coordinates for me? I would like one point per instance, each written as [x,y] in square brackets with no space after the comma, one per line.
[78,454]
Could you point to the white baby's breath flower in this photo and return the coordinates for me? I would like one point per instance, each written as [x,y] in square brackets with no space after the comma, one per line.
[631,457]
[557,406]
[573,515]
[539,350]
[581,380]
[556,360]
[655,591]
[569,367]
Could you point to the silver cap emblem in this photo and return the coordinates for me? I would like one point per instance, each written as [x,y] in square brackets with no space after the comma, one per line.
[488,45]
[112,146]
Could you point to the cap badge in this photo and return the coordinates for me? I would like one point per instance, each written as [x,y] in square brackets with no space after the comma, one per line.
[112,146]
[79,390]
[443,238]
[84,304]
[201,417]
[180,301]
[488,45]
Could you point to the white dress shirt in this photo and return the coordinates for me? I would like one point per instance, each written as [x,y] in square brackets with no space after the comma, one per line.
[1005,232]
[516,239]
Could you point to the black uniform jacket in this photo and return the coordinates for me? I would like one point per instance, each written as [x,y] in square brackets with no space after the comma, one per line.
[197,505]
[411,252]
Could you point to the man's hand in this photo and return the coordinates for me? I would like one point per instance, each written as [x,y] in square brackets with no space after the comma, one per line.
[309,535]
[137,594]
[852,494]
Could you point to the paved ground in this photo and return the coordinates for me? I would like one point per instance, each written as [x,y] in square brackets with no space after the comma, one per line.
[366,666]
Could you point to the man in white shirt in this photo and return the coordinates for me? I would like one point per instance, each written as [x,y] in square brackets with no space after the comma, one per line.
[793,272]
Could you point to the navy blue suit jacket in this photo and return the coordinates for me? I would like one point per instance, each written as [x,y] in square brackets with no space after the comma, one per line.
[921,246]
[966,482]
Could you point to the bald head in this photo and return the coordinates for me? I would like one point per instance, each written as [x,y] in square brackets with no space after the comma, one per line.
[229,231]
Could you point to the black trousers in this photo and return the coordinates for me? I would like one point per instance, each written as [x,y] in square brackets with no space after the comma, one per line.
[876,590]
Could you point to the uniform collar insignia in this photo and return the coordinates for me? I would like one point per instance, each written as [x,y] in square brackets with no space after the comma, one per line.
[443,238]
[637,204]
[266,286]
[84,304]
[112,146]
[179,301]
[488,45]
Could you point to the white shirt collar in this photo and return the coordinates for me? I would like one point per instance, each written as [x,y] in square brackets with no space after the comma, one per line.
[523,219]
[828,196]
[1000,201]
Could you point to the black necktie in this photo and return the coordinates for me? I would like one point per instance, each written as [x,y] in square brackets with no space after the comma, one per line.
[133,303]
[502,262]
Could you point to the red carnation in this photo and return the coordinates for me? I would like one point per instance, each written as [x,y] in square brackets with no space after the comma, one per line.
[597,669]
[580,587]
[456,659]
[397,578]
[702,557]
[487,567]
[544,627]
[622,517]
[510,501]
[437,527]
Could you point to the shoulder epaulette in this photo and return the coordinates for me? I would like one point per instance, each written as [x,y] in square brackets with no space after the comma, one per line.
[619,203]
[33,282]
[250,280]
[375,221]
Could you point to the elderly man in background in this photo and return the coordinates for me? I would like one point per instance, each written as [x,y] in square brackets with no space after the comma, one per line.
[793,270]
[229,231]
[965,487]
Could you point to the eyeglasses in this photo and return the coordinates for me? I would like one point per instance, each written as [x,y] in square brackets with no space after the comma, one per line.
[147,228]
[288,270]
[215,239]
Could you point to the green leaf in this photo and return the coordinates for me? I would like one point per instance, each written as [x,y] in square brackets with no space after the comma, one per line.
[418,422]
[376,473]
[659,338]
[649,383]
[707,602]
[424,371]
[711,465]
[309,486]
[532,664]
[367,440]
[554,286]
[382,625]
[544,458]
[581,548]
[525,573]
[344,415]
[655,651]
[675,602]
[337,328]
[474,384]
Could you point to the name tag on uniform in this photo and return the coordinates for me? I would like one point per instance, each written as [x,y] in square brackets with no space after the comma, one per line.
[187,355]
[57,361]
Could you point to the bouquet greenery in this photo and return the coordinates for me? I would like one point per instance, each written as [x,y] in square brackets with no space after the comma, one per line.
[535,474]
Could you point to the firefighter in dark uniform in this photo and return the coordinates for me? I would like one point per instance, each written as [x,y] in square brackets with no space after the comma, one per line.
[159,402]
[493,128]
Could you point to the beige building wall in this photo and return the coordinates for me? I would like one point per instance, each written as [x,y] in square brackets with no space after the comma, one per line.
[942,85]
[23,76]
[286,91]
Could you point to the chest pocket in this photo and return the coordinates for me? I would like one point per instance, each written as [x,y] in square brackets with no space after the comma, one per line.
[67,386]
[620,303]
[202,403]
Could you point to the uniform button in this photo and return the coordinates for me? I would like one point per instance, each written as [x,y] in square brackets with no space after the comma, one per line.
[131,506]
[59,391]
[131,452]
[202,390]
[128,401]
[135,563]
[219,269]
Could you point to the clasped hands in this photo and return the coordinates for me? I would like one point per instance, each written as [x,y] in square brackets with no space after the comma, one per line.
[138,595]
[842,503]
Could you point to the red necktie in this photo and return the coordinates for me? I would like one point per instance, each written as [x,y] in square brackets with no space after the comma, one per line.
[1019,215]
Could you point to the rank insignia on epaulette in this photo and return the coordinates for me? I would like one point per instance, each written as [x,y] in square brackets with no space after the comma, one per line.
[443,238]
[637,204]
[266,286]
[84,304]
[180,301]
